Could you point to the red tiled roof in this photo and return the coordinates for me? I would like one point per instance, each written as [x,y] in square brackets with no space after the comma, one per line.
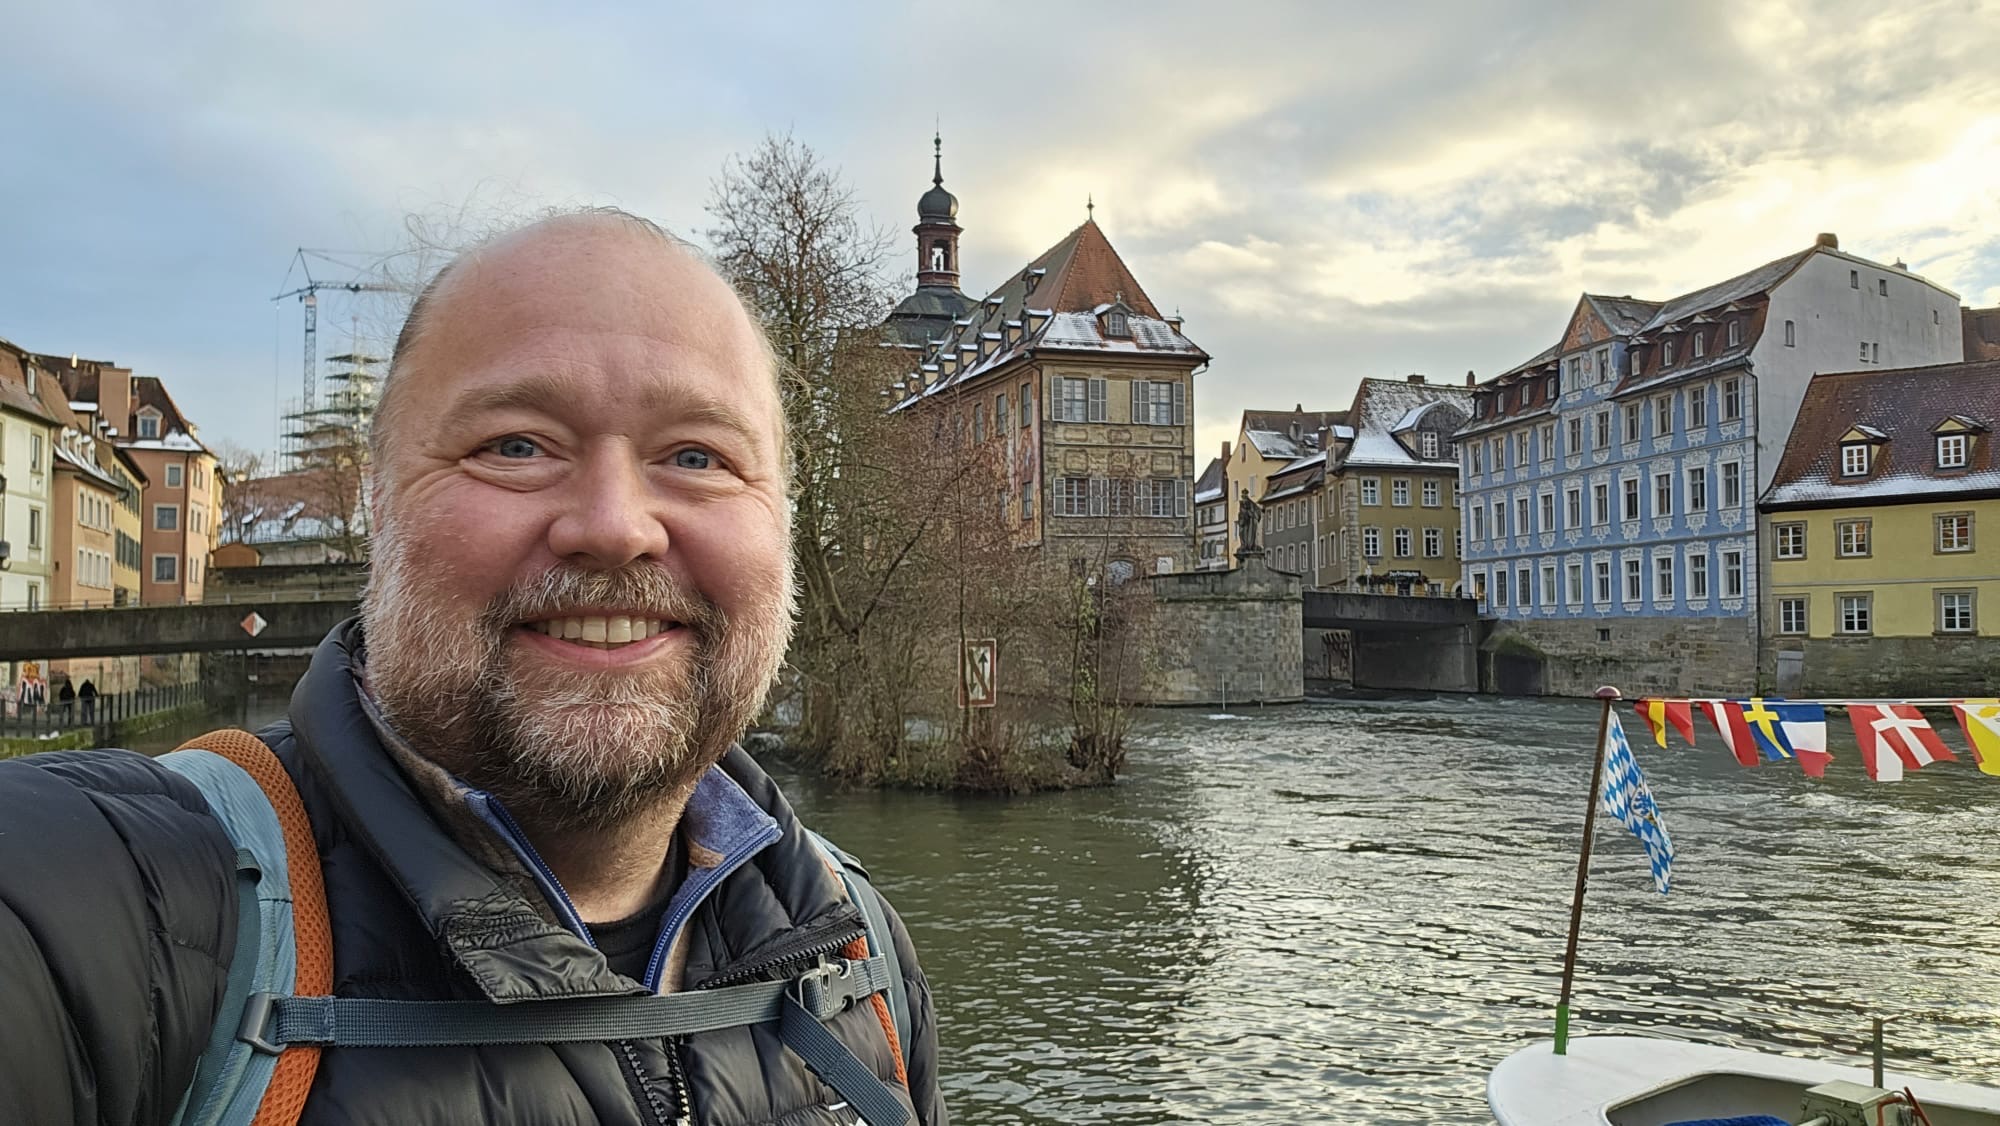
[1906,405]
[1085,272]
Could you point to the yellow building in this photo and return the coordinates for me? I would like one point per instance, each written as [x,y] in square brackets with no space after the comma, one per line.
[1266,443]
[1879,582]
[1389,516]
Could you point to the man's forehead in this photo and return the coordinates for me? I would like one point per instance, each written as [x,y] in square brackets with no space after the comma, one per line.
[591,273]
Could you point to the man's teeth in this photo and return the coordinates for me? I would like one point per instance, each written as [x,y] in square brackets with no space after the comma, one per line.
[604,631]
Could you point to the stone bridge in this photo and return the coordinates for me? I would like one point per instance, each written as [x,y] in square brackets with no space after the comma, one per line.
[1391,642]
[298,604]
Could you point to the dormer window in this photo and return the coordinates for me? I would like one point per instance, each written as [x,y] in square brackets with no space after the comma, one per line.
[1549,388]
[1953,451]
[1666,353]
[149,423]
[1427,444]
[1854,458]
[1116,324]
[1735,333]
[1698,346]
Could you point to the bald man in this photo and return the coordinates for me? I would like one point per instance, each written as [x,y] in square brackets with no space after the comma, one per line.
[518,765]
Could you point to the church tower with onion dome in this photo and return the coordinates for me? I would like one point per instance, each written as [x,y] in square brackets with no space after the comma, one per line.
[927,314]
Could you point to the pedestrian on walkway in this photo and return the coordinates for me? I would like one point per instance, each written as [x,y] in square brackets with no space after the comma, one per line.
[88,694]
[66,700]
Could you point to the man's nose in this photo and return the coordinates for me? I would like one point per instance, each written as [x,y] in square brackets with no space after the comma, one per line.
[612,516]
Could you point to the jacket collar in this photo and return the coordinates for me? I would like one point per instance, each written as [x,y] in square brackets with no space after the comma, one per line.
[475,886]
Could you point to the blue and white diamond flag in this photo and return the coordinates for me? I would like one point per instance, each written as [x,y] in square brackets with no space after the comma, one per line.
[1627,797]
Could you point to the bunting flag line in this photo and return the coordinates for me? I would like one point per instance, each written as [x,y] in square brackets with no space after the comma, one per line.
[1627,797]
[1981,723]
[1804,729]
[1895,736]
[1727,717]
[1659,713]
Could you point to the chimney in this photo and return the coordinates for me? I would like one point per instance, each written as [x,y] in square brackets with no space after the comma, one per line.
[1470,379]
[1415,378]
[1828,239]
[1225,451]
[1902,265]
[114,399]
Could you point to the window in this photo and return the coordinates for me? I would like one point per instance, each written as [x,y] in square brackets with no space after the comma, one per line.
[1698,575]
[1371,542]
[1630,511]
[1882,286]
[1573,507]
[1697,497]
[1732,574]
[1167,496]
[1854,279]
[149,426]
[1633,577]
[1791,335]
[1548,584]
[1854,459]
[1499,587]
[1072,496]
[1399,492]
[1601,572]
[1856,613]
[1478,456]
[978,423]
[1603,364]
[1631,422]
[1954,532]
[1520,516]
[1663,416]
[1663,494]
[1698,408]
[1600,503]
[1432,496]
[1478,522]
[1574,573]
[1524,591]
[1521,448]
[1458,542]
[1954,611]
[1735,333]
[1791,540]
[34,527]
[1666,353]
[1453,486]
[1028,504]
[1663,578]
[166,518]
[1427,444]
[1574,432]
[1732,399]
[1548,512]
[1732,484]
[1698,346]
[1792,617]
[1499,454]
[1115,324]
[1072,398]
[1864,351]
[1402,540]
[1600,430]
[166,568]
[1951,451]
[1548,436]
[999,413]
[1433,543]
[1853,538]
[1158,403]
[1027,407]
[1371,490]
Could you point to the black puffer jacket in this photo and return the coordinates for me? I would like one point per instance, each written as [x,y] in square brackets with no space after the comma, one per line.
[117,915]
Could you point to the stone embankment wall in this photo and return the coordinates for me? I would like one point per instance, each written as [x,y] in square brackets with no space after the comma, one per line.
[1225,637]
[1884,666]
[1642,656]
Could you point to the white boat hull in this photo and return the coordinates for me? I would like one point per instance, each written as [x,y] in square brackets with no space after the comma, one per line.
[1640,1081]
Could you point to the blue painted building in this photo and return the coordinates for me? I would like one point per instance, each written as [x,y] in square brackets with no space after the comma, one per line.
[1611,481]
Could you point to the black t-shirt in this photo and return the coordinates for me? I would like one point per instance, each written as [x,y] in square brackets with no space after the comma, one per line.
[628,943]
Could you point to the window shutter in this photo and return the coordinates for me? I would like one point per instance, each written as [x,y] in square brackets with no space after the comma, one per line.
[1180,404]
[1139,401]
[1097,496]
[1098,394]
[1180,486]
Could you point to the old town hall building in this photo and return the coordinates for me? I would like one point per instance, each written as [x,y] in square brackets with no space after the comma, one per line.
[1083,388]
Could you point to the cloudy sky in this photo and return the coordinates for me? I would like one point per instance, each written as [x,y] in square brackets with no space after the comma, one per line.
[1327,191]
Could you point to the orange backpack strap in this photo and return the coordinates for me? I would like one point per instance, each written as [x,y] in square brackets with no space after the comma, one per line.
[285,1098]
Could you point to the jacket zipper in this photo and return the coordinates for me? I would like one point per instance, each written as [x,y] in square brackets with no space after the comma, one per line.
[816,951]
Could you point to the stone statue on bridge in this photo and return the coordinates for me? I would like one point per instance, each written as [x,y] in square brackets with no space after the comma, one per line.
[1249,523]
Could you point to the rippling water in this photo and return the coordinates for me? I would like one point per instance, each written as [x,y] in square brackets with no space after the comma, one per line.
[1348,912]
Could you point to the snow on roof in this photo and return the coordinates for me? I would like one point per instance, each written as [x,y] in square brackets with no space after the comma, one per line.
[1206,495]
[1270,443]
[178,442]
[1300,463]
[1386,407]
[1898,408]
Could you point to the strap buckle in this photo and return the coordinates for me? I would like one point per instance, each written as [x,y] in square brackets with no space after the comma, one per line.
[827,989]
[260,1022]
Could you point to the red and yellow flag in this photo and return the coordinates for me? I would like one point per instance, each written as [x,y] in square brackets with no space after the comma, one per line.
[1658,713]
[1980,720]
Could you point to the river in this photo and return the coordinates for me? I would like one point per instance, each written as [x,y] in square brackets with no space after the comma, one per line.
[1349,911]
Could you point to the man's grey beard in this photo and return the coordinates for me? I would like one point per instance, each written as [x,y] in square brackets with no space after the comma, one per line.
[587,750]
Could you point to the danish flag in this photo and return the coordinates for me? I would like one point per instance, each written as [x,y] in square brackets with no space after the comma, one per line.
[1895,736]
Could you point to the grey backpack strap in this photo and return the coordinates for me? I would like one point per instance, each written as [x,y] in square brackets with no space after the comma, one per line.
[881,941]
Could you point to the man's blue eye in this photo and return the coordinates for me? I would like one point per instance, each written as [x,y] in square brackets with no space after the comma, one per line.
[694,459]
[516,448]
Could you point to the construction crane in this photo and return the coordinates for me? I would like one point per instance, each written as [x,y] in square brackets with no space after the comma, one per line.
[308,295]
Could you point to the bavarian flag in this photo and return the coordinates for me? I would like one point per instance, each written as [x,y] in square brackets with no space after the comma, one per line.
[1625,795]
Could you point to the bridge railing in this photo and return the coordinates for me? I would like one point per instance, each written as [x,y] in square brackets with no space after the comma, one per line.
[52,717]
[221,598]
